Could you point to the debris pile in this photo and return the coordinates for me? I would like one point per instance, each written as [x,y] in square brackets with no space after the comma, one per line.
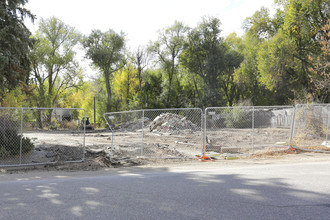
[132,126]
[172,123]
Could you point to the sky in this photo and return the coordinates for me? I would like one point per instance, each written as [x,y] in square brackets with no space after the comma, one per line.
[141,20]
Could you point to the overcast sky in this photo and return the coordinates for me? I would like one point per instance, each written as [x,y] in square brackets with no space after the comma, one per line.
[141,19]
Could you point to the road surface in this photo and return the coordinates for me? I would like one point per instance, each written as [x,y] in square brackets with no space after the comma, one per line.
[273,191]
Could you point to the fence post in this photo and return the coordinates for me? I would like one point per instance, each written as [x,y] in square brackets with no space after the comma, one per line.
[327,134]
[142,148]
[21,139]
[252,129]
[293,121]
[203,121]
[204,128]
[84,141]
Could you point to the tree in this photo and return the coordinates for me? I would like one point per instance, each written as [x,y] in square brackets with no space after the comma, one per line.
[141,60]
[303,23]
[153,90]
[247,75]
[15,44]
[54,68]
[232,60]
[320,71]
[203,55]
[106,50]
[277,51]
[126,87]
[168,47]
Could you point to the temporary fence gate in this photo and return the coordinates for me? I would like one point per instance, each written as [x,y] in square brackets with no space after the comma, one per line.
[182,133]
[247,129]
[162,133]
[311,127]
[32,136]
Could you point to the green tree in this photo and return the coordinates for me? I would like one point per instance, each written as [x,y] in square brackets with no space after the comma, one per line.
[167,49]
[153,90]
[54,68]
[15,44]
[140,61]
[203,56]
[320,71]
[106,50]
[254,82]
[210,57]
[277,50]
[232,60]
[247,75]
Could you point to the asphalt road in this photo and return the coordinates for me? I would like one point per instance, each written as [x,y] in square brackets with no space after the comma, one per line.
[289,191]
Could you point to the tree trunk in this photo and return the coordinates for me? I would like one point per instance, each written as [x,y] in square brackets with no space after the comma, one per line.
[108,86]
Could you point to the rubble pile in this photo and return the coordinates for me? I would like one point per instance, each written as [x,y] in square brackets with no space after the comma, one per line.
[132,125]
[172,123]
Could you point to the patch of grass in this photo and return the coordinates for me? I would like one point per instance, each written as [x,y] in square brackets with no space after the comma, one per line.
[232,158]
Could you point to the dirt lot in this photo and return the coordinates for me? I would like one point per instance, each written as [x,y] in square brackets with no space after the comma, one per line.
[49,148]
[169,137]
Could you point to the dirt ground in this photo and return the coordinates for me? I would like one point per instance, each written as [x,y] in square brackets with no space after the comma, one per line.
[230,146]
[100,161]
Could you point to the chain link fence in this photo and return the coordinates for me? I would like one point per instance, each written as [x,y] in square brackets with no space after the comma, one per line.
[162,133]
[247,129]
[311,127]
[31,136]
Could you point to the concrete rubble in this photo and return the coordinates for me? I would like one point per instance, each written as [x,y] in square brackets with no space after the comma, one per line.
[172,123]
[132,126]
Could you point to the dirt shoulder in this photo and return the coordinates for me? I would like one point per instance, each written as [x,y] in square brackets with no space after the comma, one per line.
[100,164]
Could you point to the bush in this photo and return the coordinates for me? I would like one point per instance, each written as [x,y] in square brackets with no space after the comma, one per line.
[10,139]
[238,118]
[71,125]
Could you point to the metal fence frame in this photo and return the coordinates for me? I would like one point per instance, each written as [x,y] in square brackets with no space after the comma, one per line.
[289,124]
[143,115]
[21,133]
[203,127]
[303,119]
[250,121]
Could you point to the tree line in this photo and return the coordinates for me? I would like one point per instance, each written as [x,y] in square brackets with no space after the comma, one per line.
[280,59]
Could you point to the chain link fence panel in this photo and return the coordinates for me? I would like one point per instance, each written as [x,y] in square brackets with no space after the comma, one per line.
[162,133]
[31,136]
[311,127]
[247,129]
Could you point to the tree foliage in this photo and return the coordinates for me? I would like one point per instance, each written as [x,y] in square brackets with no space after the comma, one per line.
[281,47]
[167,50]
[54,68]
[281,57]
[106,50]
[15,44]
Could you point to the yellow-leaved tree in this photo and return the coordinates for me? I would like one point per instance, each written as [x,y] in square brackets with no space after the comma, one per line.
[126,88]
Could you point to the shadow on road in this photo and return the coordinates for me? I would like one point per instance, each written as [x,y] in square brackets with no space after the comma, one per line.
[162,194]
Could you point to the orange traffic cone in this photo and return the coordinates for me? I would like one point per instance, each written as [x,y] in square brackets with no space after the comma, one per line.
[204,158]
[291,150]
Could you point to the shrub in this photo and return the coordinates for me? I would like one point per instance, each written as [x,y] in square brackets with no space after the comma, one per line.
[10,139]
[71,125]
[238,118]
